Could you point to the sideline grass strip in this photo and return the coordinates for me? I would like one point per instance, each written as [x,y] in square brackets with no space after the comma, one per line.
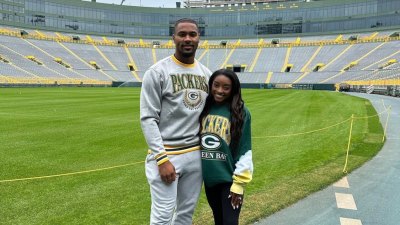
[47,131]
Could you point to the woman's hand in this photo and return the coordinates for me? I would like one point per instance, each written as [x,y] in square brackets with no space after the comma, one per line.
[236,200]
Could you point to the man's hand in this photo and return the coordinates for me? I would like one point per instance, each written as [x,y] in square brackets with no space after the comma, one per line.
[236,200]
[167,172]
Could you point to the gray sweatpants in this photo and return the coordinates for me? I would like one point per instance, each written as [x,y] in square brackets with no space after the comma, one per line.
[179,197]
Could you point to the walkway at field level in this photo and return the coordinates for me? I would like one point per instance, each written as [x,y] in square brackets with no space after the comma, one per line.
[372,196]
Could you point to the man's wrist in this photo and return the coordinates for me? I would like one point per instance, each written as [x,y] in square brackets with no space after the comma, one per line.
[162,159]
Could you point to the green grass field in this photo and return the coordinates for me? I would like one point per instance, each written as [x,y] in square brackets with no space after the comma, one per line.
[92,138]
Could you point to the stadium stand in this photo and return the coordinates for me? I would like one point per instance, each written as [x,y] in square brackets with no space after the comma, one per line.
[293,42]
[97,59]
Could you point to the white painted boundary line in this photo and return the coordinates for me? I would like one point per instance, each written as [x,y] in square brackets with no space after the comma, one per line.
[345,201]
[348,221]
[343,183]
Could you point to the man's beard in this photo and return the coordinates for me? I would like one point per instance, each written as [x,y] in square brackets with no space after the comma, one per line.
[188,54]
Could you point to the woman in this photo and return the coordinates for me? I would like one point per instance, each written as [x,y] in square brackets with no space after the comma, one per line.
[226,147]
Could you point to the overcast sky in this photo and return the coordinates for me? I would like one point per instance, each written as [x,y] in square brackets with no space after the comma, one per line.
[145,3]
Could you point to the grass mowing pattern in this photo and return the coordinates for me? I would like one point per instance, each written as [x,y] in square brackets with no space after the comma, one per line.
[46,131]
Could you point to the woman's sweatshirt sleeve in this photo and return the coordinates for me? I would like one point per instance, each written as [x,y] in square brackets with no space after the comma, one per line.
[244,166]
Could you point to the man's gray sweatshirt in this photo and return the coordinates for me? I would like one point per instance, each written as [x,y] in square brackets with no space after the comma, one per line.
[171,100]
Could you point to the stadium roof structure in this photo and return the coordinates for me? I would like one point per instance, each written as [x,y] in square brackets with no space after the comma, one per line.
[211,3]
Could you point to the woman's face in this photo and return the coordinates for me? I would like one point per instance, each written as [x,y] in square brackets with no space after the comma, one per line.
[221,88]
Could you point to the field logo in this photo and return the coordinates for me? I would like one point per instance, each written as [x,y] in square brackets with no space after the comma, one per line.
[210,141]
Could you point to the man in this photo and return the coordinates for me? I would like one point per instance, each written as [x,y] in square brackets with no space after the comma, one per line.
[172,97]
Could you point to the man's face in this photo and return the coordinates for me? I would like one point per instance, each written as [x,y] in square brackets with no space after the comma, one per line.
[186,39]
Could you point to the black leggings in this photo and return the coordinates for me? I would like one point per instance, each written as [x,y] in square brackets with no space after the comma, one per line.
[217,197]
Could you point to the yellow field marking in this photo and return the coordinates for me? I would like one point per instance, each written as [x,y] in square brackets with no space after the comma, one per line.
[336,75]
[153,51]
[348,144]
[204,44]
[339,38]
[324,128]
[311,59]
[62,37]
[366,117]
[351,129]
[73,53]
[337,57]
[59,35]
[69,174]
[133,62]
[301,77]
[253,64]
[54,71]
[89,39]
[40,34]
[227,58]
[76,72]
[370,52]
[107,75]
[38,48]
[136,76]
[203,54]
[286,59]
[307,132]
[372,36]
[128,53]
[9,79]
[19,68]
[104,57]
[11,50]
[32,74]
[269,76]
[48,54]
[82,60]
[386,124]
[106,40]
[387,57]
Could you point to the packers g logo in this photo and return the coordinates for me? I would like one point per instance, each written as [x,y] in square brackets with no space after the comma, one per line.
[210,141]
[192,99]
[193,96]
